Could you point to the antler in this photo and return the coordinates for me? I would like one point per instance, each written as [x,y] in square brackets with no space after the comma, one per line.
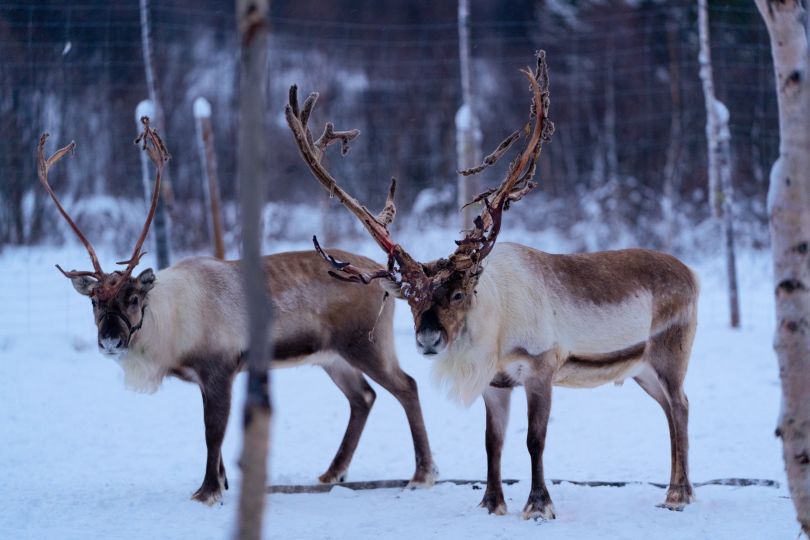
[43,167]
[153,145]
[479,241]
[313,153]
[419,281]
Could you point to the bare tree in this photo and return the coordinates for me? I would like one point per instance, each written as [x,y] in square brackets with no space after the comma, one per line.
[251,17]
[718,136]
[788,201]
[208,164]
[468,130]
[162,236]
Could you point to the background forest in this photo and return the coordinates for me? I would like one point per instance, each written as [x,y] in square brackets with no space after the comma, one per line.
[627,165]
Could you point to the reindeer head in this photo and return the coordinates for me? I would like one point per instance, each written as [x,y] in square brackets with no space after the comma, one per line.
[441,292]
[119,300]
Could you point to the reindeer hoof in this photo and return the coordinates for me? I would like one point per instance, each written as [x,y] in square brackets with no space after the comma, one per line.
[539,506]
[208,496]
[424,480]
[332,478]
[539,512]
[678,497]
[494,503]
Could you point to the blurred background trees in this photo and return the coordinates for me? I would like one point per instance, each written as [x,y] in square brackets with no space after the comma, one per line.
[628,164]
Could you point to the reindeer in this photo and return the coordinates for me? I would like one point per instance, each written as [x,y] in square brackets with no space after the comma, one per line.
[189,321]
[499,316]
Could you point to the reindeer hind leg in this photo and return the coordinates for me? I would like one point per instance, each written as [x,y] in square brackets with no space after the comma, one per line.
[380,363]
[667,356]
[361,398]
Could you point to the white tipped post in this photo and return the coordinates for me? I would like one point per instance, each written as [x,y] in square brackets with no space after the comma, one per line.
[210,178]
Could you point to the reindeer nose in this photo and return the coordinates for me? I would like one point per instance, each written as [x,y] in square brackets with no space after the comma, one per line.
[110,345]
[429,341]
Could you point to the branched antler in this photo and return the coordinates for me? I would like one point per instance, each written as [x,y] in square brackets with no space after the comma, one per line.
[313,152]
[153,145]
[479,241]
[419,281]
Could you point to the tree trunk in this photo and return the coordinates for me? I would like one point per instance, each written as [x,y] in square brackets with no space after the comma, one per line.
[718,136]
[788,201]
[251,16]
[208,164]
[672,174]
[468,131]
[161,224]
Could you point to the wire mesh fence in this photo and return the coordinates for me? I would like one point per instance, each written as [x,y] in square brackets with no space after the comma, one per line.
[626,100]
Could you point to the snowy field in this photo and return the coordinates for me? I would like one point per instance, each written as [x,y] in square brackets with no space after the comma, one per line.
[84,458]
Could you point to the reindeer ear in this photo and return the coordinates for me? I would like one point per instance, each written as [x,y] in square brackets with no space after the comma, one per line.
[84,284]
[146,280]
[394,289]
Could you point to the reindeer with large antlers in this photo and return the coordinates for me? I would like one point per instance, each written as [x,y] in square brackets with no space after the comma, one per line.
[189,321]
[500,316]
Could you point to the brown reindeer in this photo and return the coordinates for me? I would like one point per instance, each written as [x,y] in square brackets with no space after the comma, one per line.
[499,316]
[189,321]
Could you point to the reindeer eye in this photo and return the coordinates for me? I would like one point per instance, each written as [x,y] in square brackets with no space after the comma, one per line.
[457,296]
[133,301]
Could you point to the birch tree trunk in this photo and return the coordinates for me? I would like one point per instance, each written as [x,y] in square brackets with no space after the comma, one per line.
[208,164]
[468,130]
[251,17]
[788,204]
[161,224]
[718,136]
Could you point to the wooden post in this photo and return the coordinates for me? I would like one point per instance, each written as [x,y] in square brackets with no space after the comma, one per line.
[718,135]
[251,17]
[788,203]
[208,164]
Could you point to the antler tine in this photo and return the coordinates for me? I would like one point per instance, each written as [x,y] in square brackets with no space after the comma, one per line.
[43,167]
[153,145]
[493,157]
[313,152]
[350,272]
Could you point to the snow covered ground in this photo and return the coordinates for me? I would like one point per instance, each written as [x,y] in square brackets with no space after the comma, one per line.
[81,457]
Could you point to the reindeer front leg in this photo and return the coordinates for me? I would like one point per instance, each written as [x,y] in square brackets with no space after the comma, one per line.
[216,394]
[496,401]
[538,394]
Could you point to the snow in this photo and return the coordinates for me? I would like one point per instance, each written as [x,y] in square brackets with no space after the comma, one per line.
[84,458]
[202,109]
[144,108]
[463,118]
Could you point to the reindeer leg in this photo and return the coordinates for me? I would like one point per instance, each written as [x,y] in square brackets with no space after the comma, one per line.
[538,394]
[361,398]
[403,387]
[496,401]
[216,394]
[668,355]
[222,476]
